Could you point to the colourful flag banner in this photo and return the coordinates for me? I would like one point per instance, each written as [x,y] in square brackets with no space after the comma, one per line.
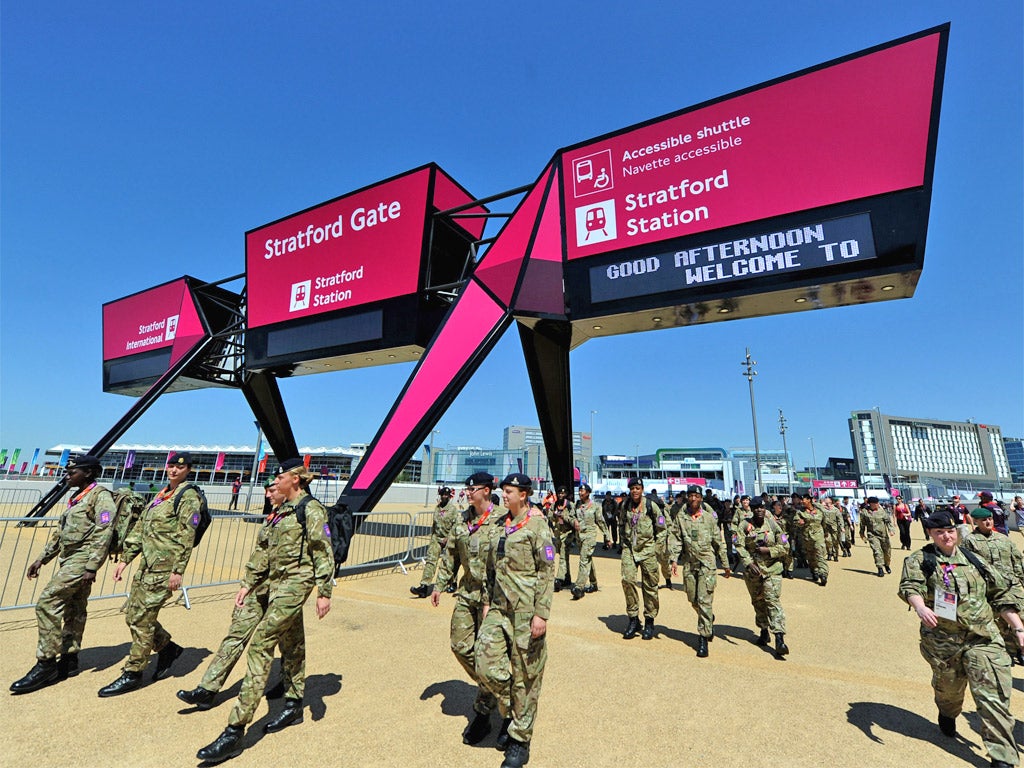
[3,458]
[220,462]
[129,460]
[35,458]
[64,456]
[307,459]
[14,460]
[263,464]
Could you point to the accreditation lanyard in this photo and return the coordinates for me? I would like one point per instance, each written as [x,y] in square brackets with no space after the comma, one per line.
[161,497]
[81,495]
[474,527]
[945,595]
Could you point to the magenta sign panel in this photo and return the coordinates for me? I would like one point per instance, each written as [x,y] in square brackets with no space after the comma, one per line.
[844,484]
[360,248]
[150,320]
[848,131]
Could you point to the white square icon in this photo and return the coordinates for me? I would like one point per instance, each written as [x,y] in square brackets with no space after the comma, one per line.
[595,223]
[171,329]
[300,296]
[592,174]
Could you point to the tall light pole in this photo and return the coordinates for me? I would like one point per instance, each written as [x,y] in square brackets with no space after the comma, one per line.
[430,475]
[814,460]
[591,467]
[255,464]
[785,452]
[750,373]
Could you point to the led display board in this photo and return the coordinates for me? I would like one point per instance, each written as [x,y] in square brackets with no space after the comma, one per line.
[818,177]
[343,278]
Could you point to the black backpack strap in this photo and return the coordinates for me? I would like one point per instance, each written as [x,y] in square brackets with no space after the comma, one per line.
[300,515]
[929,563]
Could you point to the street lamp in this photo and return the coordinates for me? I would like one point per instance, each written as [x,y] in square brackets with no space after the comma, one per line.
[255,464]
[814,460]
[749,373]
[430,475]
[785,452]
[590,469]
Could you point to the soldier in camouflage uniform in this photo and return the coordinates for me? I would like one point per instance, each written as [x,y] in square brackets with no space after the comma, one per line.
[662,547]
[244,620]
[163,537]
[297,558]
[511,649]
[588,521]
[831,526]
[642,525]
[763,546]
[446,514]
[694,541]
[1002,554]
[472,541]
[779,516]
[956,602]
[876,529]
[796,533]
[561,518]
[80,542]
[809,518]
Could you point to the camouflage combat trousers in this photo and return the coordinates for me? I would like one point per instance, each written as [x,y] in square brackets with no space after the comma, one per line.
[563,543]
[647,569]
[985,666]
[766,597]
[510,663]
[700,591]
[430,563]
[466,621]
[832,542]
[243,623]
[149,593]
[588,540]
[814,553]
[881,548]
[281,625]
[61,611]
[661,550]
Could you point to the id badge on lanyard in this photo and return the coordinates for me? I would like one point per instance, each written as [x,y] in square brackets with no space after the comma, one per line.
[945,604]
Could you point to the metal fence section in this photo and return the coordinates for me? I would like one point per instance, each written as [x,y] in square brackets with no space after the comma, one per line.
[383,540]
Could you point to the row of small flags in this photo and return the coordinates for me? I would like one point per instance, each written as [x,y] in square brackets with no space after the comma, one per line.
[13,465]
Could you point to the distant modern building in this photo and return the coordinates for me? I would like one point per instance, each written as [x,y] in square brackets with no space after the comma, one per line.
[927,457]
[1015,457]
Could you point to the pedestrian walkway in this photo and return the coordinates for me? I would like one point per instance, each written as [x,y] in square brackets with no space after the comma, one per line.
[384,689]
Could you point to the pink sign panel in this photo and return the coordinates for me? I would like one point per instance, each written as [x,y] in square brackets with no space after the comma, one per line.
[846,484]
[844,132]
[153,319]
[361,248]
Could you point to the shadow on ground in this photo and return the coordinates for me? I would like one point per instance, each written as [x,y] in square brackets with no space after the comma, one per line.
[867,715]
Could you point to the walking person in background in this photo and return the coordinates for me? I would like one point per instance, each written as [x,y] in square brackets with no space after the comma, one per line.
[903,517]
[236,490]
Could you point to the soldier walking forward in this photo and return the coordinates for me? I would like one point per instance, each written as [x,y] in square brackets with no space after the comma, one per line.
[511,649]
[446,514]
[876,528]
[589,520]
[642,524]
[763,547]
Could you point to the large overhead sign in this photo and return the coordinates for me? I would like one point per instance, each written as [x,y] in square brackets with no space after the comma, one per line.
[343,278]
[759,190]
[147,332]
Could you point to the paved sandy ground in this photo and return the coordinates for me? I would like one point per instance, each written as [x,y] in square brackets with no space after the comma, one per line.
[384,690]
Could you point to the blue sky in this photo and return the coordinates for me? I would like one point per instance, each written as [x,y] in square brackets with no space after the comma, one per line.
[141,140]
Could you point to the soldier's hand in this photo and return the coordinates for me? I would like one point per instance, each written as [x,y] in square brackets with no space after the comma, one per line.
[538,627]
[728,572]
[435,598]
[754,569]
[240,596]
[118,570]
[928,618]
[323,606]
[174,582]
[675,569]
[33,569]
[484,609]
[88,577]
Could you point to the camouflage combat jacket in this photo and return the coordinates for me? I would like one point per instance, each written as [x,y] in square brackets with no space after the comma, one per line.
[590,517]
[812,519]
[560,518]
[473,544]
[877,523]
[749,537]
[695,539]
[521,575]
[164,538]
[1002,553]
[85,529]
[445,516]
[641,528]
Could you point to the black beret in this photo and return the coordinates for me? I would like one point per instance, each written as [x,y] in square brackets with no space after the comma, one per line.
[872,499]
[756,503]
[444,490]
[940,519]
[635,481]
[289,464]
[518,480]
[480,478]
[694,489]
[585,487]
[180,459]
[85,461]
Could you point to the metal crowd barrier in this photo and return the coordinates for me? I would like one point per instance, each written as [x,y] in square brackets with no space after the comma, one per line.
[383,540]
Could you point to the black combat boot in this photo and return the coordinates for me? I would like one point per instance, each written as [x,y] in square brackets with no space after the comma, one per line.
[668,582]
[276,691]
[888,569]
[781,649]
[881,573]
[478,727]
[648,632]
[165,659]
[947,725]
[763,638]
[450,589]
[290,715]
[226,746]
[67,665]
[128,681]
[632,628]
[198,697]
[517,754]
[501,744]
[590,589]
[823,581]
[702,647]
[559,585]
[787,574]
[43,673]
[577,593]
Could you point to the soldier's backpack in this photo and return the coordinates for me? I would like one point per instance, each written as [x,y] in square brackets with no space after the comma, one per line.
[204,512]
[341,524]
[129,506]
[929,562]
